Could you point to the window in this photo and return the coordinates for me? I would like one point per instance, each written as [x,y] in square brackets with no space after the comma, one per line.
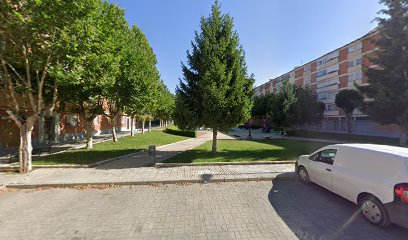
[331,95]
[358,61]
[359,46]
[332,69]
[307,68]
[331,107]
[321,73]
[358,76]
[351,78]
[326,156]
[351,64]
[350,49]
[292,74]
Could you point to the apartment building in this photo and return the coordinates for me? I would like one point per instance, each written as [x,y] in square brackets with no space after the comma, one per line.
[326,76]
[60,127]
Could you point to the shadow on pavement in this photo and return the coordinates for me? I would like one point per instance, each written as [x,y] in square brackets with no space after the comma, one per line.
[137,160]
[314,213]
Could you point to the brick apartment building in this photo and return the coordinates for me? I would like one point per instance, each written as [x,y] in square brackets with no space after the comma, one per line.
[326,76]
[59,127]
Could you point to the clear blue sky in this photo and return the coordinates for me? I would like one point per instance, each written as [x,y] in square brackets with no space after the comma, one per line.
[277,35]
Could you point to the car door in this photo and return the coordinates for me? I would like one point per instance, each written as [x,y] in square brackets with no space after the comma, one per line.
[321,167]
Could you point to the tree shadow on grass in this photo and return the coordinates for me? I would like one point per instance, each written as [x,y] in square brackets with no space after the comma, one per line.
[267,150]
[195,155]
[314,213]
[81,156]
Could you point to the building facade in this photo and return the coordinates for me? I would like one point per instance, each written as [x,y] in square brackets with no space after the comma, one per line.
[60,127]
[326,76]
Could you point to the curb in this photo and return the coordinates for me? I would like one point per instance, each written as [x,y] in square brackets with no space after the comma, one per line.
[154,182]
[167,165]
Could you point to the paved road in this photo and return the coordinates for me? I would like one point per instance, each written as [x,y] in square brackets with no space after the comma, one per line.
[252,210]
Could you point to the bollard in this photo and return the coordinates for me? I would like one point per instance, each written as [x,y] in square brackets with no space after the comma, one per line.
[152,153]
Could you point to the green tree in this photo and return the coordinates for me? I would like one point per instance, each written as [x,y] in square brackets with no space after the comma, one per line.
[216,92]
[307,109]
[260,107]
[387,91]
[348,100]
[29,34]
[281,104]
[93,51]
[165,104]
[141,80]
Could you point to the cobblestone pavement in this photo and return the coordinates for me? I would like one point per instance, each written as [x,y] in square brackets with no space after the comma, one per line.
[147,174]
[252,210]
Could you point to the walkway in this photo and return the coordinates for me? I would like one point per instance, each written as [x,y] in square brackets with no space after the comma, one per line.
[60,177]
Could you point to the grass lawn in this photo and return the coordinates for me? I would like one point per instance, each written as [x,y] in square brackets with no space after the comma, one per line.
[243,150]
[109,149]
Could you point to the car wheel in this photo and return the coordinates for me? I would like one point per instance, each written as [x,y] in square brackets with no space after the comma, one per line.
[374,211]
[303,175]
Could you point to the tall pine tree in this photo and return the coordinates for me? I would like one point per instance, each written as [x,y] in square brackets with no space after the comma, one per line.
[216,91]
[388,82]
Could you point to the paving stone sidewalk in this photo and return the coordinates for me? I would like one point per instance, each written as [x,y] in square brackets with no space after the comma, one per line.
[60,177]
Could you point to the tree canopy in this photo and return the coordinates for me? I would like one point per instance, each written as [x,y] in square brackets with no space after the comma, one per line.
[29,36]
[216,91]
[387,92]
[348,100]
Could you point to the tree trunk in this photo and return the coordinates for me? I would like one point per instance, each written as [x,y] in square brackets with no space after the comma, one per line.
[160,123]
[25,148]
[114,137]
[403,136]
[349,125]
[89,133]
[214,143]
[143,126]
[132,126]
[150,126]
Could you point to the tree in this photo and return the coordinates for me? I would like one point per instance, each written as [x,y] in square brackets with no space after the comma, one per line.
[216,91]
[260,107]
[307,110]
[387,92]
[348,100]
[93,46]
[29,33]
[281,104]
[139,91]
[165,106]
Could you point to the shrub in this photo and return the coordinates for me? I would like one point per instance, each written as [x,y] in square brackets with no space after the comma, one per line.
[176,131]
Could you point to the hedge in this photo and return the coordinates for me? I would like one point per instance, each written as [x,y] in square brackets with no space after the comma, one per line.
[179,132]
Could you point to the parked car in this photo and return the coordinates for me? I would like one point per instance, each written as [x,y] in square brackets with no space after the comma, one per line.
[375,177]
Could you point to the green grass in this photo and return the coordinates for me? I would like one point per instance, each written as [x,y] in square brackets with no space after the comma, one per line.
[346,137]
[243,150]
[109,149]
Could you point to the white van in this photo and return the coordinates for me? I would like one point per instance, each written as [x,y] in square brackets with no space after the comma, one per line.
[373,176]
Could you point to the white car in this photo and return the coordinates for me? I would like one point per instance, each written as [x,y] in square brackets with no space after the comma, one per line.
[373,176]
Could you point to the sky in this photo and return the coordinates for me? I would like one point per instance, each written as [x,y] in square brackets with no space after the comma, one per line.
[277,35]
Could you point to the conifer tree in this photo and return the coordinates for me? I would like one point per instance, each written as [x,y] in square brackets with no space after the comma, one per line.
[216,92]
[387,92]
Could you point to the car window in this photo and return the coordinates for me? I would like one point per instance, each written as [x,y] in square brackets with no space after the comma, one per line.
[327,156]
[314,157]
